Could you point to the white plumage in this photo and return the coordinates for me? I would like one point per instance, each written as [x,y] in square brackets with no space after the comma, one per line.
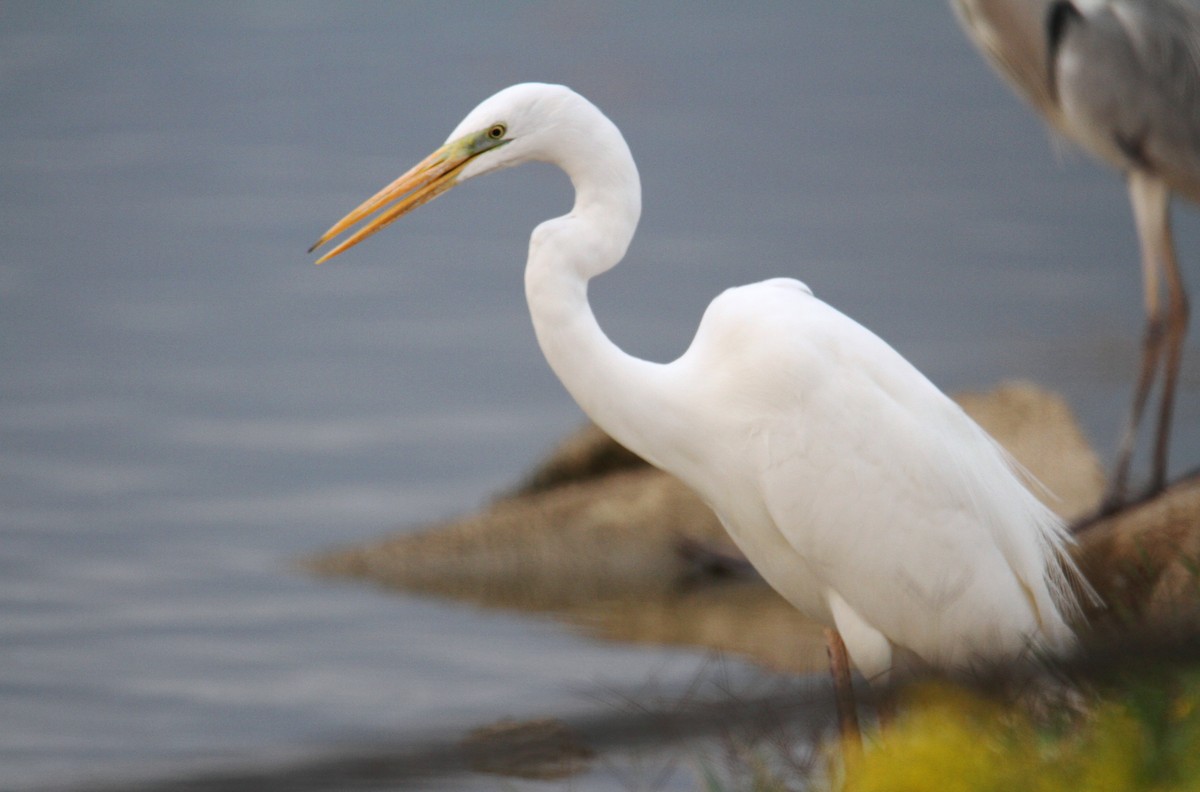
[861,493]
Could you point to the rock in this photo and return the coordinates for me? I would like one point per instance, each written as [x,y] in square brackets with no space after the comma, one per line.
[1145,561]
[586,454]
[614,537]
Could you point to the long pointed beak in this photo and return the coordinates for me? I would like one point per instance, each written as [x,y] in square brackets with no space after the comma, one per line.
[427,180]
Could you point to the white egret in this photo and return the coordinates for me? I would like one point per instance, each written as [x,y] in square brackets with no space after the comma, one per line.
[862,493]
[1122,79]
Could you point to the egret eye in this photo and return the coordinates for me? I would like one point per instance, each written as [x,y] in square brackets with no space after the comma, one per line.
[497,132]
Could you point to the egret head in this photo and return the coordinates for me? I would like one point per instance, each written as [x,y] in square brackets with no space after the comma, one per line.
[513,126]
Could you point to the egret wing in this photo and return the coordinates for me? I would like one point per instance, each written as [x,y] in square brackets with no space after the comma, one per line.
[897,500]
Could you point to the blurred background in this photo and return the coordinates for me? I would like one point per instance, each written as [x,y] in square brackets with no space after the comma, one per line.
[188,405]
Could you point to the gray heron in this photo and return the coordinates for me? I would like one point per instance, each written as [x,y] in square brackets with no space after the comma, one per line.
[1121,78]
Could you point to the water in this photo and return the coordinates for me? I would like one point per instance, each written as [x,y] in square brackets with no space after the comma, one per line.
[187,405]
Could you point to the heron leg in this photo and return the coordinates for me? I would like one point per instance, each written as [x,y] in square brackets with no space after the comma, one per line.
[1149,197]
[1151,351]
[1175,335]
[843,689]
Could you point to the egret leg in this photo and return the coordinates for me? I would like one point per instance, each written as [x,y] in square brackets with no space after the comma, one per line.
[1149,197]
[843,689]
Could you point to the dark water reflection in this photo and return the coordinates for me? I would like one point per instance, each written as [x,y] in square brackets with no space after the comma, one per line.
[187,404]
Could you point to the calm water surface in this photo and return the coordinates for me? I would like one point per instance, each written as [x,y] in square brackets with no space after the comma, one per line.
[187,405]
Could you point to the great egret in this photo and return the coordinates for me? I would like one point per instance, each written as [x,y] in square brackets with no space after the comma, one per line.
[862,493]
[1122,79]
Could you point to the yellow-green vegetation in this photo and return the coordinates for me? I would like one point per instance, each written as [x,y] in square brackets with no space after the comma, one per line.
[1141,733]
[1128,720]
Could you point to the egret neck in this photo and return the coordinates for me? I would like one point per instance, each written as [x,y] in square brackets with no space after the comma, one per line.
[621,393]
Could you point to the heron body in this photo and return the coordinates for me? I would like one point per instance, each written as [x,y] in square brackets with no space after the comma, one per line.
[862,493]
[1122,79]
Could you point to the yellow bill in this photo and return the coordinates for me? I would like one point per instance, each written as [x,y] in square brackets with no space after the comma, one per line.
[427,180]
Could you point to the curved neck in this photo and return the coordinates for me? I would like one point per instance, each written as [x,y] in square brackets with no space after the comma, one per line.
[615,389]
